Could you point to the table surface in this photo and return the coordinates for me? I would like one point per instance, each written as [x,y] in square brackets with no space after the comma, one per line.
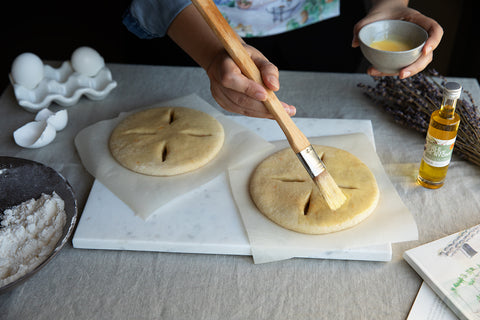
[102,284]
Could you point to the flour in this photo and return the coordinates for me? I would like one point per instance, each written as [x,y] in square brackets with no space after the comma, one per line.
[28,234]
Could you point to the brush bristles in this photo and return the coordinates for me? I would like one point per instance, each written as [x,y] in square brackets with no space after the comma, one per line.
[330,190]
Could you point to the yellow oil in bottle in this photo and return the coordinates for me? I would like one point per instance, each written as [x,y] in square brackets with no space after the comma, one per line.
[440,140]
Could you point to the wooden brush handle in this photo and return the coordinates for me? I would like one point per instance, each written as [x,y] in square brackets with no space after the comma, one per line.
[239,54]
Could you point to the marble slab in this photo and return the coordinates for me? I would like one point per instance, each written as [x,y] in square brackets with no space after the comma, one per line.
[204,220]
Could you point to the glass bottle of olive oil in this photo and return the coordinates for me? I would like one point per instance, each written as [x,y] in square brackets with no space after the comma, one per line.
[441,135]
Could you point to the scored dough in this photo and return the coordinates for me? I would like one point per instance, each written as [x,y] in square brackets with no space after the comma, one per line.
[166,141]
[284,192]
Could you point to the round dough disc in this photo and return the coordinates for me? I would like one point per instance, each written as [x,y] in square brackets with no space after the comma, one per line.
[166,141]
[284,192]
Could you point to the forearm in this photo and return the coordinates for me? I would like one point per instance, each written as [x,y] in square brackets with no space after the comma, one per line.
[190,31]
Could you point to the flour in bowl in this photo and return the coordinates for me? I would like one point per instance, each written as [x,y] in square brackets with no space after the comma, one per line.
[28,234]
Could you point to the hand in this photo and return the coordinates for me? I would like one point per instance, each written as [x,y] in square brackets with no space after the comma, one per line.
[402,12]
[236,93]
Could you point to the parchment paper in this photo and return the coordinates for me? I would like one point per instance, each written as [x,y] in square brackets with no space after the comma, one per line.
[390,222]
[146,194]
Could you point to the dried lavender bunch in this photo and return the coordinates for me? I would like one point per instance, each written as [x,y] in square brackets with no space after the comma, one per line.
[411,101]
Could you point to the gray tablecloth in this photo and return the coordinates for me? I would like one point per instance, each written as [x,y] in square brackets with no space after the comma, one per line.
[101,284]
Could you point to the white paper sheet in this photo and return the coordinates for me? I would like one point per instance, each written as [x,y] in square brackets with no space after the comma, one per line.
[390,222]
[429,306]
[146,194]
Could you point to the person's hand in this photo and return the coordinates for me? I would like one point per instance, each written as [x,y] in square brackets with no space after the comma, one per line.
[402,12]
[236,93]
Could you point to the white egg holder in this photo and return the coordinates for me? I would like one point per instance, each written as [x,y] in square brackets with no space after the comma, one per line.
[64,86]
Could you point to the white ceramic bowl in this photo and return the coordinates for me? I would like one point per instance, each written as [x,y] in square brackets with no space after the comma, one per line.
[397,30]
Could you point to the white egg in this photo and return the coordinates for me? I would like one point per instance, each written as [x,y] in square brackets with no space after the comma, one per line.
[87,61]
[57,119]
[34,134]
[27,70]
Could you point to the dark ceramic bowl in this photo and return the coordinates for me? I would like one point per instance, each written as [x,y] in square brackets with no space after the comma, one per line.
[22,180]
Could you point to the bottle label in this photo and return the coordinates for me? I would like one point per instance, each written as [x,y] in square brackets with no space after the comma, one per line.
[438,152]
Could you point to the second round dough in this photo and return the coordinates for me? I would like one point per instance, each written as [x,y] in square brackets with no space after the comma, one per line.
[284,192]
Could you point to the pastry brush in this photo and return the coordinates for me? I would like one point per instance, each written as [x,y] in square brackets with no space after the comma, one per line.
[297,140]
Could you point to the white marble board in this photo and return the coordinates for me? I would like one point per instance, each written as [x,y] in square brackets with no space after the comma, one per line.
[204,220]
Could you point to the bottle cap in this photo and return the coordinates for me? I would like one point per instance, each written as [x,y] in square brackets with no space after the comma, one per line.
[452,90]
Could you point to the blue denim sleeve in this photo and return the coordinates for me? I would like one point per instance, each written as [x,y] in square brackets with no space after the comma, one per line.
[149,19]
